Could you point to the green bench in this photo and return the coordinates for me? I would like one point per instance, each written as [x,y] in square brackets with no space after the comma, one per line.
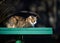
[26,31]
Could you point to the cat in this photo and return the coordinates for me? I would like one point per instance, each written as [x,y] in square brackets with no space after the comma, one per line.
[20,22]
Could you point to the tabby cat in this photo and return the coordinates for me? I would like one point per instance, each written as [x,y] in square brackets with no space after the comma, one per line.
[20,22]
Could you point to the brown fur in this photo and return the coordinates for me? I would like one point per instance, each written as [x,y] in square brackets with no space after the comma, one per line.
[20,22]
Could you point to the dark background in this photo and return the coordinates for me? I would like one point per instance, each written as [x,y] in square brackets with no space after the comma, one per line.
[28,39]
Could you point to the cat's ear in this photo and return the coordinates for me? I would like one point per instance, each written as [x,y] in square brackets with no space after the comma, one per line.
[30,17]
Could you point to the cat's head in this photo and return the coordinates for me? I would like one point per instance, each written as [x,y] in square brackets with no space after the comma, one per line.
[32,20]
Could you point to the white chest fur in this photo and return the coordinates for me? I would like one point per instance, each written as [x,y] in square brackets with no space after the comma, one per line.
[33,24]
